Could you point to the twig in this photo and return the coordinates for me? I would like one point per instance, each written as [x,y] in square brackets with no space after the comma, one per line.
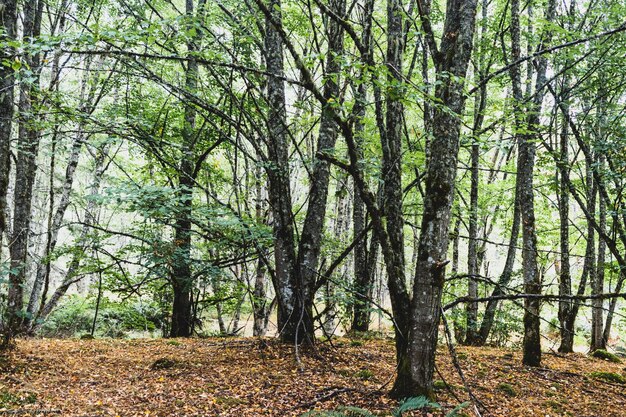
[324,398]
[455,361]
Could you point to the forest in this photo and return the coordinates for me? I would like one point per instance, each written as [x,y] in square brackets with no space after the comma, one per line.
[313,208]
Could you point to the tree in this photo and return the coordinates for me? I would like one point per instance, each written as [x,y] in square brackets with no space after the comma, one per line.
[25,171]
[8,22]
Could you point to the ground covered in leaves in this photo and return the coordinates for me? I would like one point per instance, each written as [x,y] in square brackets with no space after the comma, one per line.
[251,377]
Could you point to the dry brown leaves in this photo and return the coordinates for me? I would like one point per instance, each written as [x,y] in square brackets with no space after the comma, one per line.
[247,377]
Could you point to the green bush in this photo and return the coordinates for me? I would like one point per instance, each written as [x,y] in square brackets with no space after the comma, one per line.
[115,318]
[73,316]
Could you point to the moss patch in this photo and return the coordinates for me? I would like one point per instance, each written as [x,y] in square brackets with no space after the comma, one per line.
[163,363]
[609,377]
[506,389]
[607,356]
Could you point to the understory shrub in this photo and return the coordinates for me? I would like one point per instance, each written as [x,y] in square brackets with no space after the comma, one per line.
[115,318]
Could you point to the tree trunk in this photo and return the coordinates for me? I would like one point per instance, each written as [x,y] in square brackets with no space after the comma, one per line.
[532,279]
[606,332]
[391,143]
[260,307]
[25,172]
[362,284]
[451,64]
[278,174]
[296,272]
[8,22]
[473,254]
[597,285]
[566,306]
[181,273]
[471,336]
[363,271]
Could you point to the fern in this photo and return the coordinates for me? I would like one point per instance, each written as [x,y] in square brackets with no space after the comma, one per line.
[414,403]
[409,404]
[455,411]
[340,412]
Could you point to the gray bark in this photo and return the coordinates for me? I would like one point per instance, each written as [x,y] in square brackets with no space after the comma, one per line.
[525,169]
[296,264]
[259,296]
[25,172]
[597,283]
[8,22]
[363,273]
[181,273]
[566,307]
[451,61]
[278,173]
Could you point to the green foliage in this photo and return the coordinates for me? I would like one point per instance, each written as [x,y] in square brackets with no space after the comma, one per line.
[72,317]
[364,374]
[121,317]
[440,385]
[115,318]
[506,325]
[9,400]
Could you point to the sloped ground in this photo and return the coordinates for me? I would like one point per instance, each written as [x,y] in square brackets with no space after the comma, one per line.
[247,377]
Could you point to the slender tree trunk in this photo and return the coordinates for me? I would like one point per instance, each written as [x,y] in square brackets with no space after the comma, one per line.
[8,22]
[473,254]
[596,269]
[606,332]
[392,195]
[597,285]
[566,307]
[278,174]
[259,294]
[363,271]
[471,335]
[181,274]
[532,278]
[362,284]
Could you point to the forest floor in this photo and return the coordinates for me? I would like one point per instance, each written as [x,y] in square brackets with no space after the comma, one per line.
[251,377]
